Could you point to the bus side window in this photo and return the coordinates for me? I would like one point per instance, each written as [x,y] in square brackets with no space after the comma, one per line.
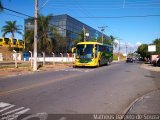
[107,49]
[100,48]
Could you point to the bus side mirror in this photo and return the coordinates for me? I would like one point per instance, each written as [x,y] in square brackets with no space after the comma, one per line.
[94,50]
[73,49]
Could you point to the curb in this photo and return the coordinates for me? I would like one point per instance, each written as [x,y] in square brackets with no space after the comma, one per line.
[130,107]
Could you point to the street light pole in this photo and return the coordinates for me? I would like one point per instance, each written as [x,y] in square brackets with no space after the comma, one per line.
[35,36]
[102,34]
[102,29]
[119,51]
[126,50]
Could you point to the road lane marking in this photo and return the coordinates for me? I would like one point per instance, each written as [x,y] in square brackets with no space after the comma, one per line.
[23,111]
[14,115]
[10,113]
[37,85]
[7,108]
[79,70]
[2,104]
[15,110]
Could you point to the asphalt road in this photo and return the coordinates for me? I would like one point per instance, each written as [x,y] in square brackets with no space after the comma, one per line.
[107,89]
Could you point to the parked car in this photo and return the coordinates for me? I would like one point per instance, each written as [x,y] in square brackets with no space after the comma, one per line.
[156,61]
[129,60]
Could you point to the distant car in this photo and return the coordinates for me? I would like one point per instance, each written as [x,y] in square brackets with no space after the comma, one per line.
[129,60]
[139,59]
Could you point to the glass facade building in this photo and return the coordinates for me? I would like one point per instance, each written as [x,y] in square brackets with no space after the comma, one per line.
[69,27]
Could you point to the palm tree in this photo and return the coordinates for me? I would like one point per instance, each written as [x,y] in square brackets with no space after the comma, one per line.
[114,43]
[29,40]
[1,6]
[43,29]
[12,28]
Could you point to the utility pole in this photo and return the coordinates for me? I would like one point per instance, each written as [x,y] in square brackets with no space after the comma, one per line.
[84,32]
[119,51]
[35,36]
[102,29]
[126,50]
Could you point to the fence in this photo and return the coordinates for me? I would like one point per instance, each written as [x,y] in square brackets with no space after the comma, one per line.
[67,57]
[55,59]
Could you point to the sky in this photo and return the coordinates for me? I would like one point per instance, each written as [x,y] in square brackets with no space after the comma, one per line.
[131,31]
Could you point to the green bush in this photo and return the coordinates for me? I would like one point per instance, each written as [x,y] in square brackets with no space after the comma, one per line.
[115,57]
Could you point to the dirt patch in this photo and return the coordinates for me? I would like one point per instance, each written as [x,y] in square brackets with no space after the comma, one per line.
[13,71]
[4,72]
[55,67]
[150,67]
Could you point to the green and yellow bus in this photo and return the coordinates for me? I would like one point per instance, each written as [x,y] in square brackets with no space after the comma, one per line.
[5,42]
[92,54]
[10,42]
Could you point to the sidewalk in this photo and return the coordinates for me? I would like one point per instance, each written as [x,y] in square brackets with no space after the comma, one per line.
[147,104]
[150,67]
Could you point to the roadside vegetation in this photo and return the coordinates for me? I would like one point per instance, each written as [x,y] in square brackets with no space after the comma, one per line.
[143,49]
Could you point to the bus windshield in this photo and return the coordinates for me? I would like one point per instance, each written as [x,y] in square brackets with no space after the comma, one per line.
[20,42]
[6,40]
[14,41]
[84,51]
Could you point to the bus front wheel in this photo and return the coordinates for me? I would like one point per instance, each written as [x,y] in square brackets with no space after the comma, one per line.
[99,64]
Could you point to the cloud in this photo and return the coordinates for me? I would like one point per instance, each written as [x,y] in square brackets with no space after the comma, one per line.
[138,43]
[127,46]
[117,41]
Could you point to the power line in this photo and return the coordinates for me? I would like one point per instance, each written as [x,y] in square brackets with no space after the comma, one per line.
[44,4]
[106,4]
[17,12]
[102,5]
[13,15]
[136,16]
[84,11]
[105,7]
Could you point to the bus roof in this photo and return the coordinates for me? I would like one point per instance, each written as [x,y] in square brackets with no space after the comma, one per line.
[88,42]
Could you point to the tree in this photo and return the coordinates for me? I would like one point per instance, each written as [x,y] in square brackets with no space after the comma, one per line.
[43,29]
[143,50]
[1,6]
[113,42]
[29,40]
[110,41]
[79,38]
[12,28]
[157,43]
